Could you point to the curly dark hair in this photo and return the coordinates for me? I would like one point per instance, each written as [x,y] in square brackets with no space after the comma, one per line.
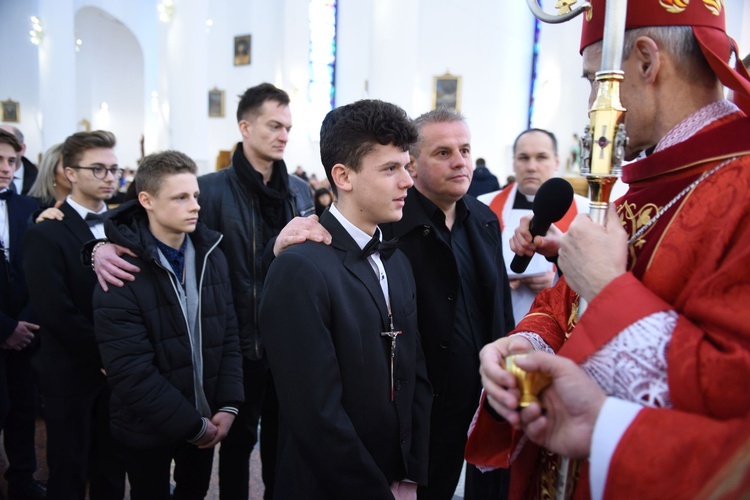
[350,132]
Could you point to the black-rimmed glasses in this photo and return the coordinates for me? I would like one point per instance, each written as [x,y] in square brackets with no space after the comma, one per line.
[101,172]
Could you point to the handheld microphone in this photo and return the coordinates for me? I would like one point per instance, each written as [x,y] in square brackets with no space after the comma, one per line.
[551,203]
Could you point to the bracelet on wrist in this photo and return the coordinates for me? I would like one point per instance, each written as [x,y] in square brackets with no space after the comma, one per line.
[93,253]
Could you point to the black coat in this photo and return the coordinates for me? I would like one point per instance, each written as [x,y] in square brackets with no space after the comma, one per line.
[436,275]
[230,207]
[143,338]
[14,296]
[483,182]
[322,314]
[60,288]
[30,172]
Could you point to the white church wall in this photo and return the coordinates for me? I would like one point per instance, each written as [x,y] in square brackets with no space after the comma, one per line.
[20,81]
[392,50]
[387,49]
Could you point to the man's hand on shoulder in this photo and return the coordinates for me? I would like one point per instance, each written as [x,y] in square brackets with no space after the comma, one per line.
[51,213]
[299,230]
[110,267]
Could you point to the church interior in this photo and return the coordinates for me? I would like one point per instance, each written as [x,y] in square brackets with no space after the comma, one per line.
[165,74]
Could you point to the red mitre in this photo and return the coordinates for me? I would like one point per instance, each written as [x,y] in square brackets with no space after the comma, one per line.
[706,17]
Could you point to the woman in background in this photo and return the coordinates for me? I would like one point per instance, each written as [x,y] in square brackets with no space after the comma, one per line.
[323,199]
[51,187]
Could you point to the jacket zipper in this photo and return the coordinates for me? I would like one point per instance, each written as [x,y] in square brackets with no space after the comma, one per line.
[172,279]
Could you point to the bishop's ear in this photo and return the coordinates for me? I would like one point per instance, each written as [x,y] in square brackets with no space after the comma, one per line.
[648,57]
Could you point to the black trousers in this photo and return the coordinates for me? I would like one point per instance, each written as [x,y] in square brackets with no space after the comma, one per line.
[261,405]
[444,471]
[149,472]
[19,395]
[80,447]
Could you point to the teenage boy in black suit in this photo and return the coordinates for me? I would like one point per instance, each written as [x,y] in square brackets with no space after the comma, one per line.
[73,387]
[340,327]
[17,333]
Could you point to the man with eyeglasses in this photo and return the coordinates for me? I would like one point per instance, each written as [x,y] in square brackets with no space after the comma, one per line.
[71,381]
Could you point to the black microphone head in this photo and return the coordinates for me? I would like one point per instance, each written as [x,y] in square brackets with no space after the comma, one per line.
[553,199]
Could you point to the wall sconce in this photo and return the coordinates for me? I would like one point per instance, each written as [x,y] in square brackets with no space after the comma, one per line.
[78,44]
[36,33]
[166,10]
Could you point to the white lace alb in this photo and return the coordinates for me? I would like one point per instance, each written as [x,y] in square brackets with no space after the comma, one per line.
[633,365]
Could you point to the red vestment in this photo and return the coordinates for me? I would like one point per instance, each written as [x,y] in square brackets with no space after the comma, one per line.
[694,260]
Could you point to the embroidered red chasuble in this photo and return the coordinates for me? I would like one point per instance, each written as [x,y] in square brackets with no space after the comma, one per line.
[694,259]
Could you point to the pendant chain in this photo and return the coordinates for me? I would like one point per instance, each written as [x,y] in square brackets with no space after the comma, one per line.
[677,198]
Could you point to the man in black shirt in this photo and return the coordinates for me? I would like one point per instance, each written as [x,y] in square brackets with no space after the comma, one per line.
[463,298]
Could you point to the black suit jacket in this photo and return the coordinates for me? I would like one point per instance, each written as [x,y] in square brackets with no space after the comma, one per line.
[438,281]
[29,174]
[61,291]
[14,297]
[321,316]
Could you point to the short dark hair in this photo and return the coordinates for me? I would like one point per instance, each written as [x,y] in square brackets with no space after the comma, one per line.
[155,167]
[10,139]
[442,114]
[80,142]
[528,131]
[350,132]
[16,132]
[480,162]
[254,97]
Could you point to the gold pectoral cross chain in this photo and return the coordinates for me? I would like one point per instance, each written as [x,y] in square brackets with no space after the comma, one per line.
[393,334]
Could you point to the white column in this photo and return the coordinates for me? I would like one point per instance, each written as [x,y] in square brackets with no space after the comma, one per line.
[187,81]
[57,71]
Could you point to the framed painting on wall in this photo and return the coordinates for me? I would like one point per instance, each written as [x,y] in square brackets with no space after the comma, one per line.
[11,111]
[242,50]
[215,103]
[446,92]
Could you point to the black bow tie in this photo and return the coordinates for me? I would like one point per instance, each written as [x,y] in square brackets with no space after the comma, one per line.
[384,248]
[6,194]
[93,219]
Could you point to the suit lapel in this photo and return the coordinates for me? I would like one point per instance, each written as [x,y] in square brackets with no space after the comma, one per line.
[76,224]
[359,267]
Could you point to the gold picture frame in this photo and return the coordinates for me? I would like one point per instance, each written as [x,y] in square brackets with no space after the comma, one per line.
[242,50]
[11,111]
[215,103]
[446,92]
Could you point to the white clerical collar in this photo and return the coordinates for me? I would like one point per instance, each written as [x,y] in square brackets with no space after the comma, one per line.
[529,198]
[81,210]
[360,237]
